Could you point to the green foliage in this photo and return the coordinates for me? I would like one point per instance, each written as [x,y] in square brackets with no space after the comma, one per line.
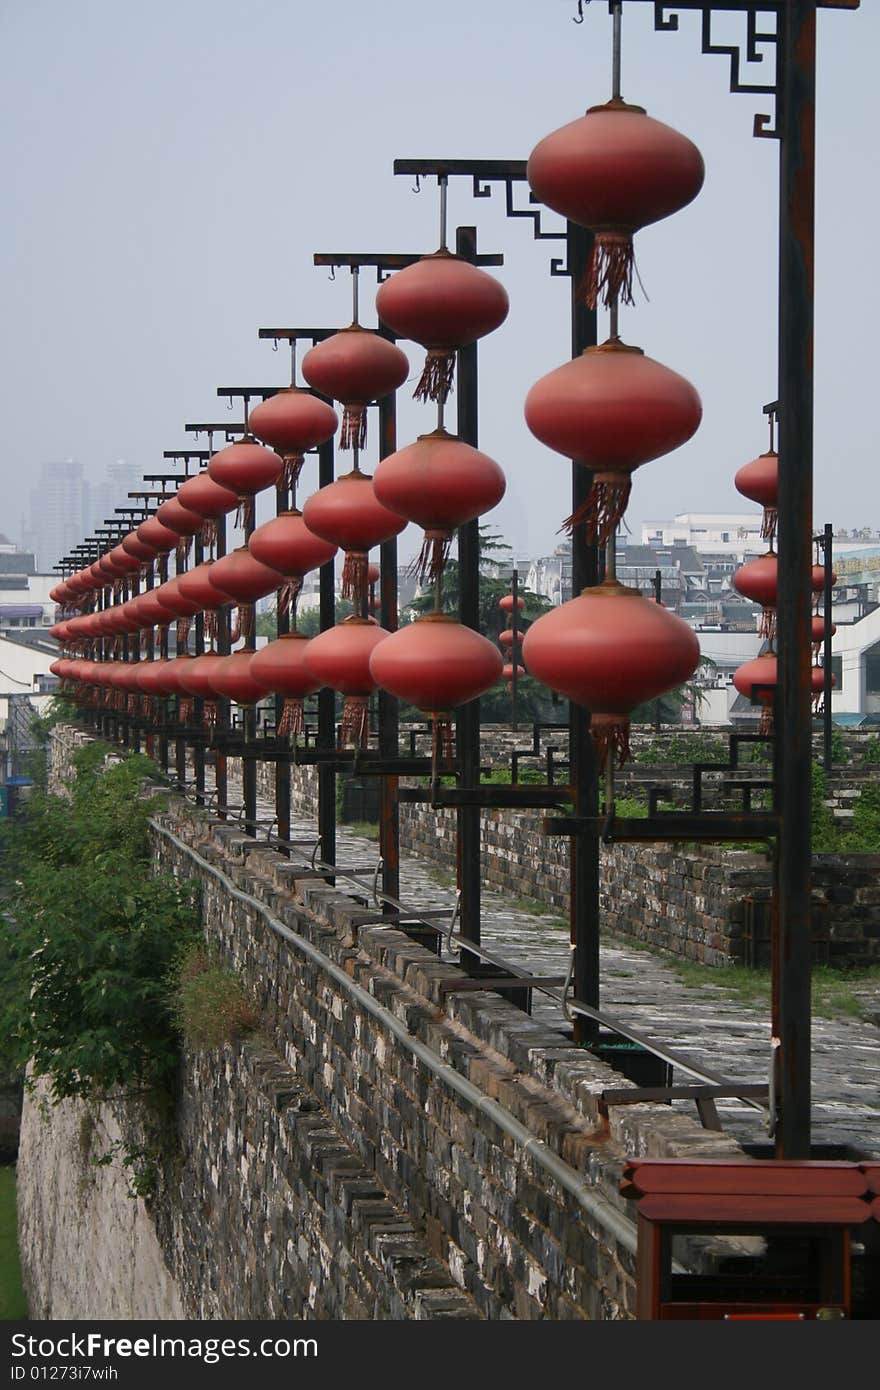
[90,936]
[683,749]
[12,1300]
[839,747]
[871,749]
[824,831]
[59,710]
[210,1005]
[863,835]
[501,777]
[309,622]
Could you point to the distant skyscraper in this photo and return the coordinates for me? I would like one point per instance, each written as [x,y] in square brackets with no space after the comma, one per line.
[58,512]
[120,478]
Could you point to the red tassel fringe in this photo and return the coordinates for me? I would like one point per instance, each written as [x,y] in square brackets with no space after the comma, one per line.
[767,626]
[611,731]
[209,533]
[209,713]
[437,377]
[353,434]
[182,551]
[183,626]
[244,516]
[442,745]
[354,577]
[609,275]
[601,512]
[430,562]
[186,709]
[291,722]
[355,726]
[290,472]
[211,625]
[288,596]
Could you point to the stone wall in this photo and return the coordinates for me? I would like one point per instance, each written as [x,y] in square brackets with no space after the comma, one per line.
[378,1150]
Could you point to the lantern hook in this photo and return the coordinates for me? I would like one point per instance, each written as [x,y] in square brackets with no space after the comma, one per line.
[417,186]
[332,275]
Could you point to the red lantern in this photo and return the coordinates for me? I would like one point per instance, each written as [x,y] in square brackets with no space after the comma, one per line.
[761,671]
[444,303]
[507,637]
[178,517]
[355,367]
[506,603]
[292,422]
[439,482]
[154,534]
[507,672]
[340,659]
[198,679]
[611,650]
[196,585]
[233,678]
[615,170]
[759,481]
[611,409]
[817,631]
[245,468]
[282,667]
[349,514]
[287,545]
[241,577]
[138,548]
[202,495]
[757,580]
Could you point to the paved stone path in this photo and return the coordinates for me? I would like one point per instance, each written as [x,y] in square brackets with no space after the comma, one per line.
[704,1023]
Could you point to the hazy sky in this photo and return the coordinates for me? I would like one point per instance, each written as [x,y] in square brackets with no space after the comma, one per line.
[170,168]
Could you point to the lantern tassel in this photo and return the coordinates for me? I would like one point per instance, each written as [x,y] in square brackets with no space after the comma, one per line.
[244,516]
[355,726]
[766,728]
[609,275]
[437,377]
[353,434]
[209,714]
[185,710]
[183,625]
[288,595]
[244,623]
[603,509]
[291,722]
[182,551]
[430,562]
[209,532]
[611,731]
[768,524]
[133,702]
[289,476]
[211,625]
[354,576]
[442,745]
[767,626]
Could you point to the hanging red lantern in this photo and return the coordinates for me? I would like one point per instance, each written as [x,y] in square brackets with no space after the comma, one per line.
[292,422]
[507,637]
[125,563]
[349,514]
[355,367]
[233,678]
[817,579]
[151,611]
[507,672]
[178,517]
[612,409]
[758,580]
[209,500]
[138,548]
[505,603]
[817,631]
[196,585]
[287,545]
[198,679]
[340,659]
[245,468]
[615,170]
[282,667]
[759,481]
[182,606]
[444,303]
[439,482]
[760,672]
[241,577]
[154,534]
[611,650]
[436,664]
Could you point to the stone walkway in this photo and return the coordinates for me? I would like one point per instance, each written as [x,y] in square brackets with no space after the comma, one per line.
[705,1024]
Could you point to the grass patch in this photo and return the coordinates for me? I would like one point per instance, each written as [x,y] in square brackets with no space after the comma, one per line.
[367,829]
[12,1300]
[210,1004]
[442,877]
[837,993]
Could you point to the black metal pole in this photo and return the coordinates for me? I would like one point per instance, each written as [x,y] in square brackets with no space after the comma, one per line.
[389,708]
[514,652]
[468,720]
[828,556]
[282,766]
[583,847]
[327,698]
[163,654]
[198,705]
[658,597]
[221,782]
[797,72]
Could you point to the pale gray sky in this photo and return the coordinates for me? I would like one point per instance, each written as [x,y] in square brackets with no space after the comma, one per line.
[170,168]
